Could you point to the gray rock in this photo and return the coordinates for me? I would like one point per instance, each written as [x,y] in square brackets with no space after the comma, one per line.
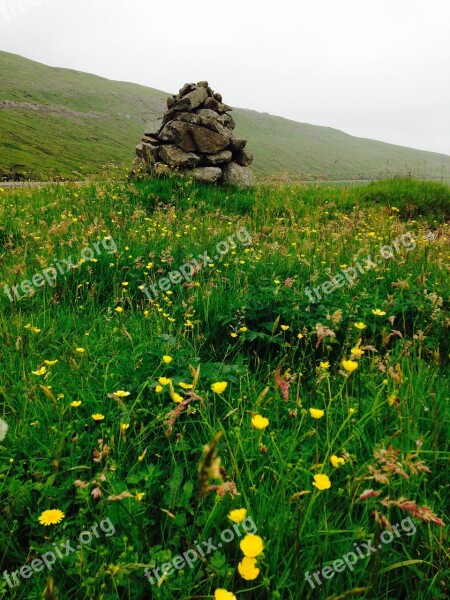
[234,174]
[192,100]
[170,102]
[227,121]
[150,153]
[217,97]
[221,158]
[154,127]
[150,139]
[140,150]
[237,144]
[206,174]
[205,118]
[213,104]
[194,138]
[243,158]
[174,157]
[186,89]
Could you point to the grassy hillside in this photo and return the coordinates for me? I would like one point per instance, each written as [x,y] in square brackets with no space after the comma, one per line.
[60,122]
[333,412]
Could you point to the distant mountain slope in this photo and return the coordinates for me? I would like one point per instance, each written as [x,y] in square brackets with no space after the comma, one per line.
[60,122]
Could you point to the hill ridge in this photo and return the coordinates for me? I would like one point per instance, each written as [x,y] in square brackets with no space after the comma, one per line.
[99,121]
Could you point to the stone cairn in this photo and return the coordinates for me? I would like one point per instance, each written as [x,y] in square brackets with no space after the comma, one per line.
[195,138]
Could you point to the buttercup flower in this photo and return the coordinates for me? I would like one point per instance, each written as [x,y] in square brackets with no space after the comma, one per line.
[159,388]
[121,394]
[222,594]
[300,336]
[357,352]
[251,545]
[336,461]
[237,515]
[51,517]
[185,386]
[247,568]
[351,411]
[219,387]
[177,398]
[349,365]
[243,329]
[284,327]
[260,422]
[322,482]
[50,363]
[40,371]
[98,417]
[360,325]
[325,365]
[75,403]
[80,350]
[378,312]
[119,309]
[167,359]
[164,380]
[124,426]
[139,496]
[316,413]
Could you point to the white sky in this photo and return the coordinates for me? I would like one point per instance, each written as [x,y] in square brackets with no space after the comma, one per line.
[373,68]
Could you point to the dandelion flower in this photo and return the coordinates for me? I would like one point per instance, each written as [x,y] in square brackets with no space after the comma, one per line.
[167,359]
[322,482]
[316,413]
[336,461]
[252,545]
[75,403]
[237,515]
[51,517]
[350,365]
[360,325]
[247,568]
[219,387]
[221,594]
[98,417]
[164,380]
[378,312]
[260,422]
[121,394]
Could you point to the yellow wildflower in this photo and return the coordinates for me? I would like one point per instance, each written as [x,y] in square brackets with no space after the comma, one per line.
[316,413]
[247,568]
[349,365]
[51,517]
[260,422]
[167,359]
[251,545]
[237,515]
[322,482]
[219,387]
[336,461]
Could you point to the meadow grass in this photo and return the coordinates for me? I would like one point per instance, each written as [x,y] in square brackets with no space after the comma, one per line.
[243,319]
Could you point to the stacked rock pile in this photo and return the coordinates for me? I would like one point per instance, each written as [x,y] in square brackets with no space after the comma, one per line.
[195,137]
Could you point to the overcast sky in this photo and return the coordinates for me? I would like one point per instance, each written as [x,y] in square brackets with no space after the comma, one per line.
[373,68]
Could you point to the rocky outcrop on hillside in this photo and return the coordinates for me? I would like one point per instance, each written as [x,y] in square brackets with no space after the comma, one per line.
[195,138]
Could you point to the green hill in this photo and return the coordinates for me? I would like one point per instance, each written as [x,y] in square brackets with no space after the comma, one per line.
[59,122]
